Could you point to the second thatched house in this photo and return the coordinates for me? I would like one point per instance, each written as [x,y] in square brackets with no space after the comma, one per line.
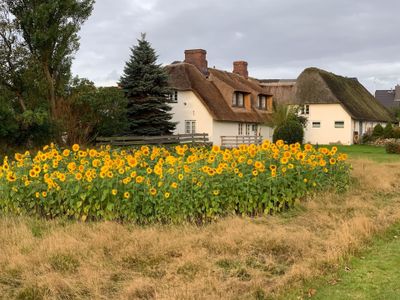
[339,109]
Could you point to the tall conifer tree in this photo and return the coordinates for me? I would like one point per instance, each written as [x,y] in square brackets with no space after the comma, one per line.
[145,84]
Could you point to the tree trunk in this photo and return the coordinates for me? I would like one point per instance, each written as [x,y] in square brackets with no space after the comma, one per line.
[21,101]
[52,91]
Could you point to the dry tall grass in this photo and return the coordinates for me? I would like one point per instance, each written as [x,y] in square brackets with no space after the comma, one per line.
[236,258]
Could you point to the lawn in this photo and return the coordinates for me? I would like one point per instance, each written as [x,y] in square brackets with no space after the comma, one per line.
[374,274]
[374,153]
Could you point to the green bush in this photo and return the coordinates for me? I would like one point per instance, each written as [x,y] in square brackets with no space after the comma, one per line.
[290,132]
[366,138]
[393,148]
[396,133]
[388,131]
[377,132]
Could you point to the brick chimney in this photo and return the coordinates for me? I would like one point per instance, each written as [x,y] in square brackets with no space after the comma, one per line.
[240,68]
[397,93]
[197,57]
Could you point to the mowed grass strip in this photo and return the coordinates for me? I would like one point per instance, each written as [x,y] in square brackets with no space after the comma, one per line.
[368,152]
[374,274]
[233,258]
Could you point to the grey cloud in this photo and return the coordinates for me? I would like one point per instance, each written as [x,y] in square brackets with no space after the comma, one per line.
[278,38]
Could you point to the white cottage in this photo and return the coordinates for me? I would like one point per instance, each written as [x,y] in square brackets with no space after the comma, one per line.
[339,109]
[227,105]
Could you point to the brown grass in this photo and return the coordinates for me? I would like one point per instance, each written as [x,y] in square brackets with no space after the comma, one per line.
[235,258]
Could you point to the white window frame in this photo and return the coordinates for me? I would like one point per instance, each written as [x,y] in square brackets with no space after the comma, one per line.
[173,96]
[248,128]
[240,129]
[305,109]
[190,126]
[315,123]
[238,99]
[339,126]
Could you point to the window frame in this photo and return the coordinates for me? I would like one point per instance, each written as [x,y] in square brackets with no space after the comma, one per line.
[190,126]
[248,129]
[173,96]
[235,99]
[339,126]
[316,122]
[262,99]
[240,128]
[305,109]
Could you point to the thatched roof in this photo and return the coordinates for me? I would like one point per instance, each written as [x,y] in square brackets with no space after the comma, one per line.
[315,86]
[186,77]
[282,89]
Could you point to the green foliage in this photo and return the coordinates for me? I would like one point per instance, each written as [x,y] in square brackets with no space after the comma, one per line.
[396,133]
[49,33]
[392,147]
[378,131]
[388,131]
[145,84]
[150,185]
[284,113]
[92,111]
[291,132]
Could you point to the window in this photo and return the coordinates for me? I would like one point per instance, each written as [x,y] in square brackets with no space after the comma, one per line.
[262,102]
[248,126]
[173,97]
[316,124]
[254,128]
[305,109]
[190,126]
[240,129]
[238,99]
[339,124]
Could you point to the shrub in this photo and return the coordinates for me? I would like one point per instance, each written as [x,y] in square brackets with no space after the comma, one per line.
[366,138]
[388,131]
[396,132]
[392,147]
[378,131]
[290,132]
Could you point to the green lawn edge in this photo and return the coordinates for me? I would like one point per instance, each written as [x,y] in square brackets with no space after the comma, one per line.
[373,274]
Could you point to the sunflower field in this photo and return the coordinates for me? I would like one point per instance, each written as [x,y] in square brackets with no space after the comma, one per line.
[169,185]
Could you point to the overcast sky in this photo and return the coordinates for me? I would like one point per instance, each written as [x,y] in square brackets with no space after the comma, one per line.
[278,38]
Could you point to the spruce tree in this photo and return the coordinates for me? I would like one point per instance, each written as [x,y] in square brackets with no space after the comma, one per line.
[145,84]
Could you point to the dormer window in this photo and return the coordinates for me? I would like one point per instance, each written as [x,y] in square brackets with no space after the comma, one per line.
[262,102]
[238,99]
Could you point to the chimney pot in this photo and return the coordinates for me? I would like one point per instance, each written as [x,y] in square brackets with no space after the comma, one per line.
[240,68]
[198,58]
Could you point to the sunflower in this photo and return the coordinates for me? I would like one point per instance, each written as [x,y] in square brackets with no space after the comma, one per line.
[75,147]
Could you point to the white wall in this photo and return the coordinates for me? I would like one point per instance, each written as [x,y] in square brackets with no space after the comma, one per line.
[232,129]
[365,126]
[189,107]
[327,114]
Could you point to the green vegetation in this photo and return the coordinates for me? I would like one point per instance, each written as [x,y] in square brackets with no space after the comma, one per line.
[150,185]
[145,84]
[369,152]
[374,274]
